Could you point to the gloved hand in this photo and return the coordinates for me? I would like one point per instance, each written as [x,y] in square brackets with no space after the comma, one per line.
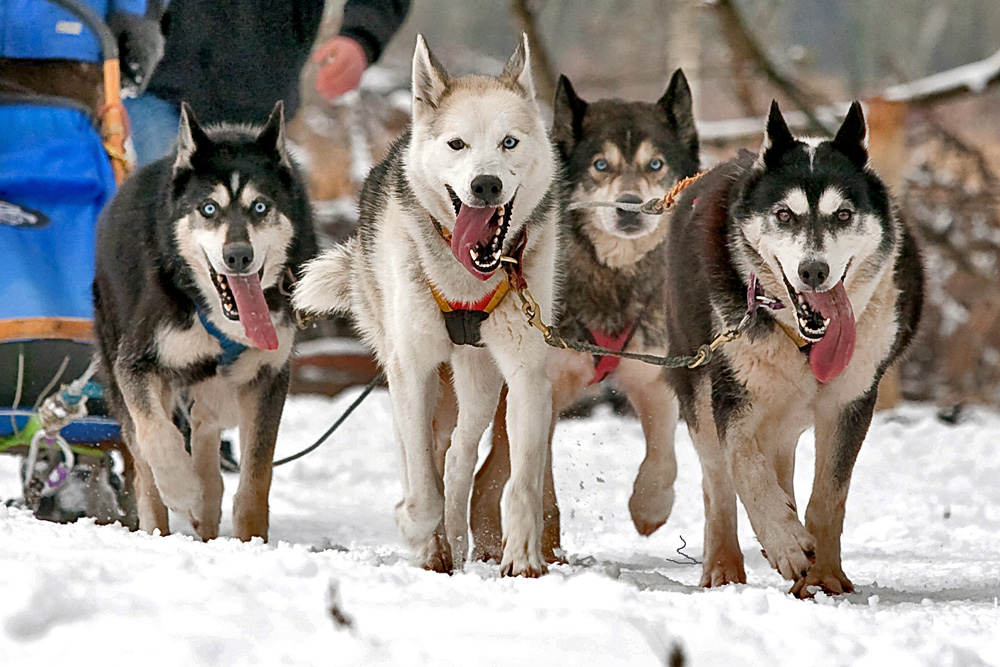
[342,61]
[140,47]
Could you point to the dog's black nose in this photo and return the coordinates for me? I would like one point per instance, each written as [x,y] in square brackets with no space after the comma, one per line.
[628,221]
[238,256]
[813,272]
[487,188]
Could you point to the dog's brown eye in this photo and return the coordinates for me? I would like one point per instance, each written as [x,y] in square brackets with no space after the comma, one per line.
[208,209]
[784,215]
[456,144]
[845,215]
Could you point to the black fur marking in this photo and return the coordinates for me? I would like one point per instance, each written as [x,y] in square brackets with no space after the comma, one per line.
[729,397]
[854,422]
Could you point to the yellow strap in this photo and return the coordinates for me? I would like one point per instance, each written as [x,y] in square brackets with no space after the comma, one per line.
[498,296]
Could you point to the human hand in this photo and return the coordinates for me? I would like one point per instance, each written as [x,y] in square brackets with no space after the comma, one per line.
[342,61]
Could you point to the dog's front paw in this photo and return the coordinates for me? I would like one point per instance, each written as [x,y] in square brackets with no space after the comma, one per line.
[790,549]
[417,521]
[434,554]
[651,501]
[523,560]
[182,492]
[828,578]
[723,568]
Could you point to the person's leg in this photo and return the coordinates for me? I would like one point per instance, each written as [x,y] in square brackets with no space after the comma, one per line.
[154,124]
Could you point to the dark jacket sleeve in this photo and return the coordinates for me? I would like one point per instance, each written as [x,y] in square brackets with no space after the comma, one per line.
[372,23]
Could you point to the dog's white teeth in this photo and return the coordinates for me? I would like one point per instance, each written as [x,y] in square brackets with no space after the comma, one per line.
[826,322]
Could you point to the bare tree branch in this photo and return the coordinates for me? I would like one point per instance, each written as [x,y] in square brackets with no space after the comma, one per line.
[545,73]
[746,48]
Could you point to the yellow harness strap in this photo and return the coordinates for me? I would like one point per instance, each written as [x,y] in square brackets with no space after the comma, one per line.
[492,300]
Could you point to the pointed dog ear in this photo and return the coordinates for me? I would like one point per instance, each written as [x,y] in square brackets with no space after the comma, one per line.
[679,108]
[190,137]
[852,137]
[518,68]
[777,138]
[430,80]
[567,117]
[272,137]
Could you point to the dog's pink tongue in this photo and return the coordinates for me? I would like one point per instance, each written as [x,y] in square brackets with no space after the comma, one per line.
[831,353]
[472,226]
[254,314]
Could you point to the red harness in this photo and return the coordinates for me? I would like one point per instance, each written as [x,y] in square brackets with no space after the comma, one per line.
[606,365]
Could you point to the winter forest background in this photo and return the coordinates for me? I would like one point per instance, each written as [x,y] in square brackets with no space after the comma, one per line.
[936,141]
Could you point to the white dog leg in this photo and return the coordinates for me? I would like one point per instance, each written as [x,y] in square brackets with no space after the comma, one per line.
[413,389]
[529,416]
[477,385]
[160,445]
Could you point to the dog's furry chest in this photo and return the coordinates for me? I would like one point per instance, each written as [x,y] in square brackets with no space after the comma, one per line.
[193,354]
[609,300]
[772,364]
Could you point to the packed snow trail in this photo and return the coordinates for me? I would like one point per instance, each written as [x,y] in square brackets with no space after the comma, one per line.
[335,587]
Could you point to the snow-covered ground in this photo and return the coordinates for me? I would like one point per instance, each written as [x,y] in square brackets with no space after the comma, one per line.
[922,544]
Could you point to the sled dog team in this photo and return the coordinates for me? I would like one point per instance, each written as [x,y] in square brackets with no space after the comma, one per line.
[203,256]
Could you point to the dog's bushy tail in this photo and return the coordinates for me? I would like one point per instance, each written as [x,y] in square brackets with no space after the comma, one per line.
[325,287]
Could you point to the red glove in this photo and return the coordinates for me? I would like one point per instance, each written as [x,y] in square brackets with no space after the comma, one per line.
[341,63]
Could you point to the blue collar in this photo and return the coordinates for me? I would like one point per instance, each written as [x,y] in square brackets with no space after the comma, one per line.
[231,350]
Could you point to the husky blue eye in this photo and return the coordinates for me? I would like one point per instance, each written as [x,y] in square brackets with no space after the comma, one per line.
[456,144]
[510,142]
[655,164]
[209,209]
[600,164]
[259,207]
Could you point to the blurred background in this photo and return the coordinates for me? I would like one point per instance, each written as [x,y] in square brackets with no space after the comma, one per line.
[927,71]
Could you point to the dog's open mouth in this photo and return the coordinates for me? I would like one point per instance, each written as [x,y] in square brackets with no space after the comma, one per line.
[479,234]
[825,319]
[243,299]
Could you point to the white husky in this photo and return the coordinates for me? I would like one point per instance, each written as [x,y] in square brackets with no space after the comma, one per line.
[478,162]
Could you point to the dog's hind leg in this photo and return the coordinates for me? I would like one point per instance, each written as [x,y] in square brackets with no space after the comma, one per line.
[477,385]
[529,418]
[162,464]
[654,401]
[152,512]
[260,405]
[445,416]
[413,390]
[484,516]
[840,431]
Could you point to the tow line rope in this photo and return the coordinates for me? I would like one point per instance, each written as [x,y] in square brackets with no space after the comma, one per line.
[377,380]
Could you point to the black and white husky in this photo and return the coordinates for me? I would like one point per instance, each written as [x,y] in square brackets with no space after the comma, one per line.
[473,180]
[195,256]
[806,225]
